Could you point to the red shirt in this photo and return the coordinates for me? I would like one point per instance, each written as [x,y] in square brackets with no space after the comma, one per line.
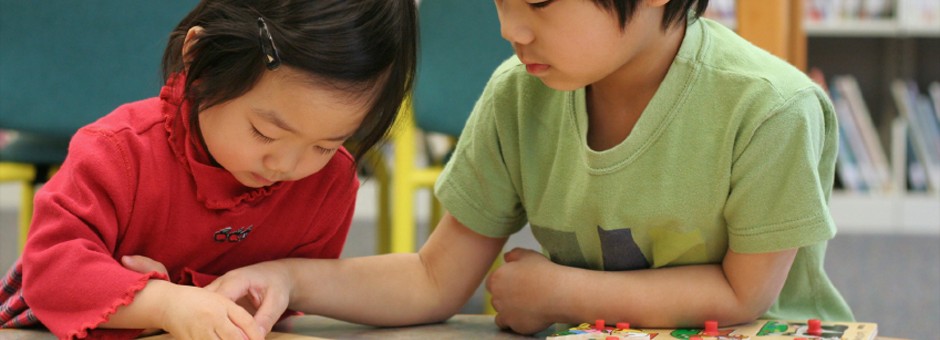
[136,183]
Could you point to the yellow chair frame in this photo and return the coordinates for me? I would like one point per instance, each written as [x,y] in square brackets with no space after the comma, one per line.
[25,174]
[406,179]
[397,220]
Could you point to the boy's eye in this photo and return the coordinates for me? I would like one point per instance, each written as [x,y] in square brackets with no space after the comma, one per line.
[260,136]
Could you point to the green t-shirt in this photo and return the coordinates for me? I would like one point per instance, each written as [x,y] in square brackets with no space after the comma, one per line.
[736,149]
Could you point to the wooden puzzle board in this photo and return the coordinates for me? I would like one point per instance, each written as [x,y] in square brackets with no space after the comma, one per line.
[775,329]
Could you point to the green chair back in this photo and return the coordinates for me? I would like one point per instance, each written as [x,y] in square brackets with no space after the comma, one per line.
[65,63]
[460,48]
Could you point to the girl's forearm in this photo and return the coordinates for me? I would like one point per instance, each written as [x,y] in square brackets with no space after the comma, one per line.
[146,311]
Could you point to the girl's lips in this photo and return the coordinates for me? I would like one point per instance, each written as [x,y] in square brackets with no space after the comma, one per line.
[536,68]
[261,180]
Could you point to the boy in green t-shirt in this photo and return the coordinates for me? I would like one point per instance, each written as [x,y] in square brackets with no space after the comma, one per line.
[672,172]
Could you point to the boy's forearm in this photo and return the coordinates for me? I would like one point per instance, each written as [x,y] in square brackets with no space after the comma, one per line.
[665,297]
[146,311]
[738,290]
[398,289]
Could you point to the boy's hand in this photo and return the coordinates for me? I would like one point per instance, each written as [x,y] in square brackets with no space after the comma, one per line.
[267,285]
[520,296]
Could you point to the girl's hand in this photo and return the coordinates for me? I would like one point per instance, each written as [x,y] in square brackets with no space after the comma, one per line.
[267,285]
[186,312]
[520,294]
[143,264]
[196,313]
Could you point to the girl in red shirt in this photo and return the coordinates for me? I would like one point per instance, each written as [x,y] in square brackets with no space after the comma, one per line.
[239,160]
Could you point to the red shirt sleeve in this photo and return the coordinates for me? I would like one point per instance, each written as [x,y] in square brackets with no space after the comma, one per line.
[71,281]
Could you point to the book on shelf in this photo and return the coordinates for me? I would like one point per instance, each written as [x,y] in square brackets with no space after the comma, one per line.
[847,10]
[934,89]
[899,159]
[919,14]
[924,129]
[847,170]
[910,12]
[916,171]
[879,16]
[908,170]
[847,167]
[860,133]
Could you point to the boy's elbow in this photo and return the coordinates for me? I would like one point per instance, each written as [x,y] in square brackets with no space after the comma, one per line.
[440,304]
[749,310]
[420,314]
[442,313]
[753,313]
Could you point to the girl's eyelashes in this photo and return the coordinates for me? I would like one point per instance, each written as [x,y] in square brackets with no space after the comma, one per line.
[265,139]
[259,136]
[325,151]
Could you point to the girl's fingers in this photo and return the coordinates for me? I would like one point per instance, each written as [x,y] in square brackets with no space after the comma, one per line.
[143,264]
[242,326]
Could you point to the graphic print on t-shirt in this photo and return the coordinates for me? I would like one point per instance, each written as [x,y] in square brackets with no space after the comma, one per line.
[618,248]
[620,251]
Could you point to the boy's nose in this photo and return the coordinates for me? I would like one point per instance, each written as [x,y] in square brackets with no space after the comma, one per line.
[512,28]
[517,34]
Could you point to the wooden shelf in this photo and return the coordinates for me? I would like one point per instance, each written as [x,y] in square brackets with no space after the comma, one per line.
[778,27]
[908,213]
[869,29]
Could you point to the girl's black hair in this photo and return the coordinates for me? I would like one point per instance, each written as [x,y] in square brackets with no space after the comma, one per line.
[675,11]
[363,46]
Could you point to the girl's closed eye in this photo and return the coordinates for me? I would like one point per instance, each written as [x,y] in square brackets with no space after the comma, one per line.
[325,151]
[260,136]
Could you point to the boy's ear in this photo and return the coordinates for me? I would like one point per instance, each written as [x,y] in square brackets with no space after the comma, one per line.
[191,36]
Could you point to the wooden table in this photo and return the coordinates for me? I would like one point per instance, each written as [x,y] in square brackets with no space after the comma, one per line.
[307,327]
[464,326]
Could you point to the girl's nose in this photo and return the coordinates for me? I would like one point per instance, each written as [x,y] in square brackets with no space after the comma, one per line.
[283,161]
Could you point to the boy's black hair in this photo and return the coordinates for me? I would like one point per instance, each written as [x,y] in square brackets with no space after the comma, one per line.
[675,11]
[363,46]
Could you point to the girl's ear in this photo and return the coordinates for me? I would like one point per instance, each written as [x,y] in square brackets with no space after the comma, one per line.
[657,3]
[191,36]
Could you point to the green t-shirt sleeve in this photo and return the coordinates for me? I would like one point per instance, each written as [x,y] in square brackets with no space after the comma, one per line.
[476,186]
[782,176]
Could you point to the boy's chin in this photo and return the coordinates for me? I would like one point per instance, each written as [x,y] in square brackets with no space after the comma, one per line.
[561,85]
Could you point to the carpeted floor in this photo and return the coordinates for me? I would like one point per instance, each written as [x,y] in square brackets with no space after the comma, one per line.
[893,280]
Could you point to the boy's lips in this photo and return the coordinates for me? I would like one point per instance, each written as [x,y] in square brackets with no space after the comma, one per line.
[536,68]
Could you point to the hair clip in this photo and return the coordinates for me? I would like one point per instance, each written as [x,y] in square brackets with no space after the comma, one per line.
[272,59]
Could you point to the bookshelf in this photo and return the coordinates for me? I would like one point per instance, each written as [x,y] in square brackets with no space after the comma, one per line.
[873,42]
